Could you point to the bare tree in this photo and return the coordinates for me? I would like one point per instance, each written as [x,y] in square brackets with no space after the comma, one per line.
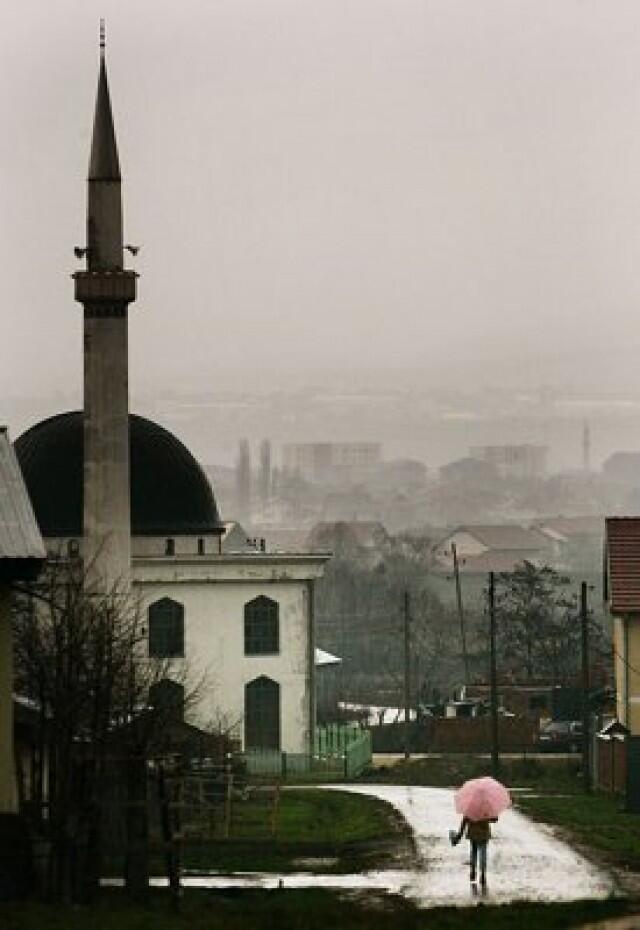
[80,655]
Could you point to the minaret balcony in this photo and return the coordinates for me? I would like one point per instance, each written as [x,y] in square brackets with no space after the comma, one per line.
[109,287]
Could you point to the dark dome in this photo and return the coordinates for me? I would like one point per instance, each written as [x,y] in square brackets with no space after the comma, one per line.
[170,494]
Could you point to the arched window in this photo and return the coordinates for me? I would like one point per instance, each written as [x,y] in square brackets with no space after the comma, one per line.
[166,629]
[261,634]
[262,714]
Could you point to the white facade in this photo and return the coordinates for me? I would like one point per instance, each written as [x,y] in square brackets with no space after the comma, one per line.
[214,591]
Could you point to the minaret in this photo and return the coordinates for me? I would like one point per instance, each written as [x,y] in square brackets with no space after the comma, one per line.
[105,290]
[586,447]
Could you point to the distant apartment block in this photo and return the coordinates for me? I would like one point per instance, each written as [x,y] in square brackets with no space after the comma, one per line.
[331,461]
[518,461]
[623,467]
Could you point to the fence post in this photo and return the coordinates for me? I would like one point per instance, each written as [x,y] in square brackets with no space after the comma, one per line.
[227,802]
[274,810]
[168,839]
[283,765]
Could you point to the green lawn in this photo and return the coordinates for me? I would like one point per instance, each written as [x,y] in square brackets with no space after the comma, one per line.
[596,820]
[297,910]
[353,831]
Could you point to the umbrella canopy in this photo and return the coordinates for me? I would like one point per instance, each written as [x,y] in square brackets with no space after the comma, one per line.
[482,799]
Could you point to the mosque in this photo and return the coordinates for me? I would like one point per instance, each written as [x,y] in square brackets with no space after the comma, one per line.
[128,496]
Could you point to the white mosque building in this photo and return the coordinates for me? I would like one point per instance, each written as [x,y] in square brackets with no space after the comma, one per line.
[126,494]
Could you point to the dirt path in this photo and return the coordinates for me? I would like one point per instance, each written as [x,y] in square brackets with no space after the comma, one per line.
[526,861]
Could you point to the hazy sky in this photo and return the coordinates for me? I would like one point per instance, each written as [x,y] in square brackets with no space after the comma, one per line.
[338,184]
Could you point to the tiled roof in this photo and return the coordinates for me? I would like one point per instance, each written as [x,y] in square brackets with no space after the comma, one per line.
[622,564]
[496,560]
[506,536]
[570,527]
[19,534]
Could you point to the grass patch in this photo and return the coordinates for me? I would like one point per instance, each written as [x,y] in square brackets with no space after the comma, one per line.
[353,831]
[596,820]
[550,775]
[313,909]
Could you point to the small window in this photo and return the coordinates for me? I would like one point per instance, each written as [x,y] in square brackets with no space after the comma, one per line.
[166,629]
[261,627]
[201,547]
[170,547]
[73,548]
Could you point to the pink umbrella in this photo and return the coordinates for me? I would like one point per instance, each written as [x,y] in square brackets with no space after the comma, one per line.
[482,799]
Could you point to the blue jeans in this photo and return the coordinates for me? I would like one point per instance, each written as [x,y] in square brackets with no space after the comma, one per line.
[478,851]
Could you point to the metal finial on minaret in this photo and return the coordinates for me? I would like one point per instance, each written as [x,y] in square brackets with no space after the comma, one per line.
[103,40]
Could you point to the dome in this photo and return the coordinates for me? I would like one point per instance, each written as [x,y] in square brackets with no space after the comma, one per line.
[170,493]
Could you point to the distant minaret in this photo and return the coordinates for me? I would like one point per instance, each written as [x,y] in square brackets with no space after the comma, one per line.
[105,290]
[243,482]
[265,472]
[586,447]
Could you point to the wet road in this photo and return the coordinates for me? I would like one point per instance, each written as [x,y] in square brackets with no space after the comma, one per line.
[526,862]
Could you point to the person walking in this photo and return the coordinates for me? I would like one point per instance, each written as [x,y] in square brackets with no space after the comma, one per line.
[480,801]
[478,833]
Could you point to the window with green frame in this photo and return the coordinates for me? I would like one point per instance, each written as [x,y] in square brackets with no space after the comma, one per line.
[166,629]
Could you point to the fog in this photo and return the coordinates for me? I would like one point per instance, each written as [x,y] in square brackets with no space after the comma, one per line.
[426,196]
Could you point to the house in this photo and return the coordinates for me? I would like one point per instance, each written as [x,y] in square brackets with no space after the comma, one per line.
[21,557]
[493,548]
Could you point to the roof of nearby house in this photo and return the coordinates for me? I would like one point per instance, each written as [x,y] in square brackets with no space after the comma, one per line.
[497,560]
[505,536]
[570,527]
[21,546]
[622,564]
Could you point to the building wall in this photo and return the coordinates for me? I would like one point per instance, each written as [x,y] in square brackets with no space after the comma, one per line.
[514,461]
[626,641]
[214,593]
[7,768]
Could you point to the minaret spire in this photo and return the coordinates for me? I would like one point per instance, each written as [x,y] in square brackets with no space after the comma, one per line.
[104,164]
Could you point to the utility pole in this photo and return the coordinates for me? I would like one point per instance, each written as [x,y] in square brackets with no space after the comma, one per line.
[586,710]
[495,752]
[407,679]
[463,637]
